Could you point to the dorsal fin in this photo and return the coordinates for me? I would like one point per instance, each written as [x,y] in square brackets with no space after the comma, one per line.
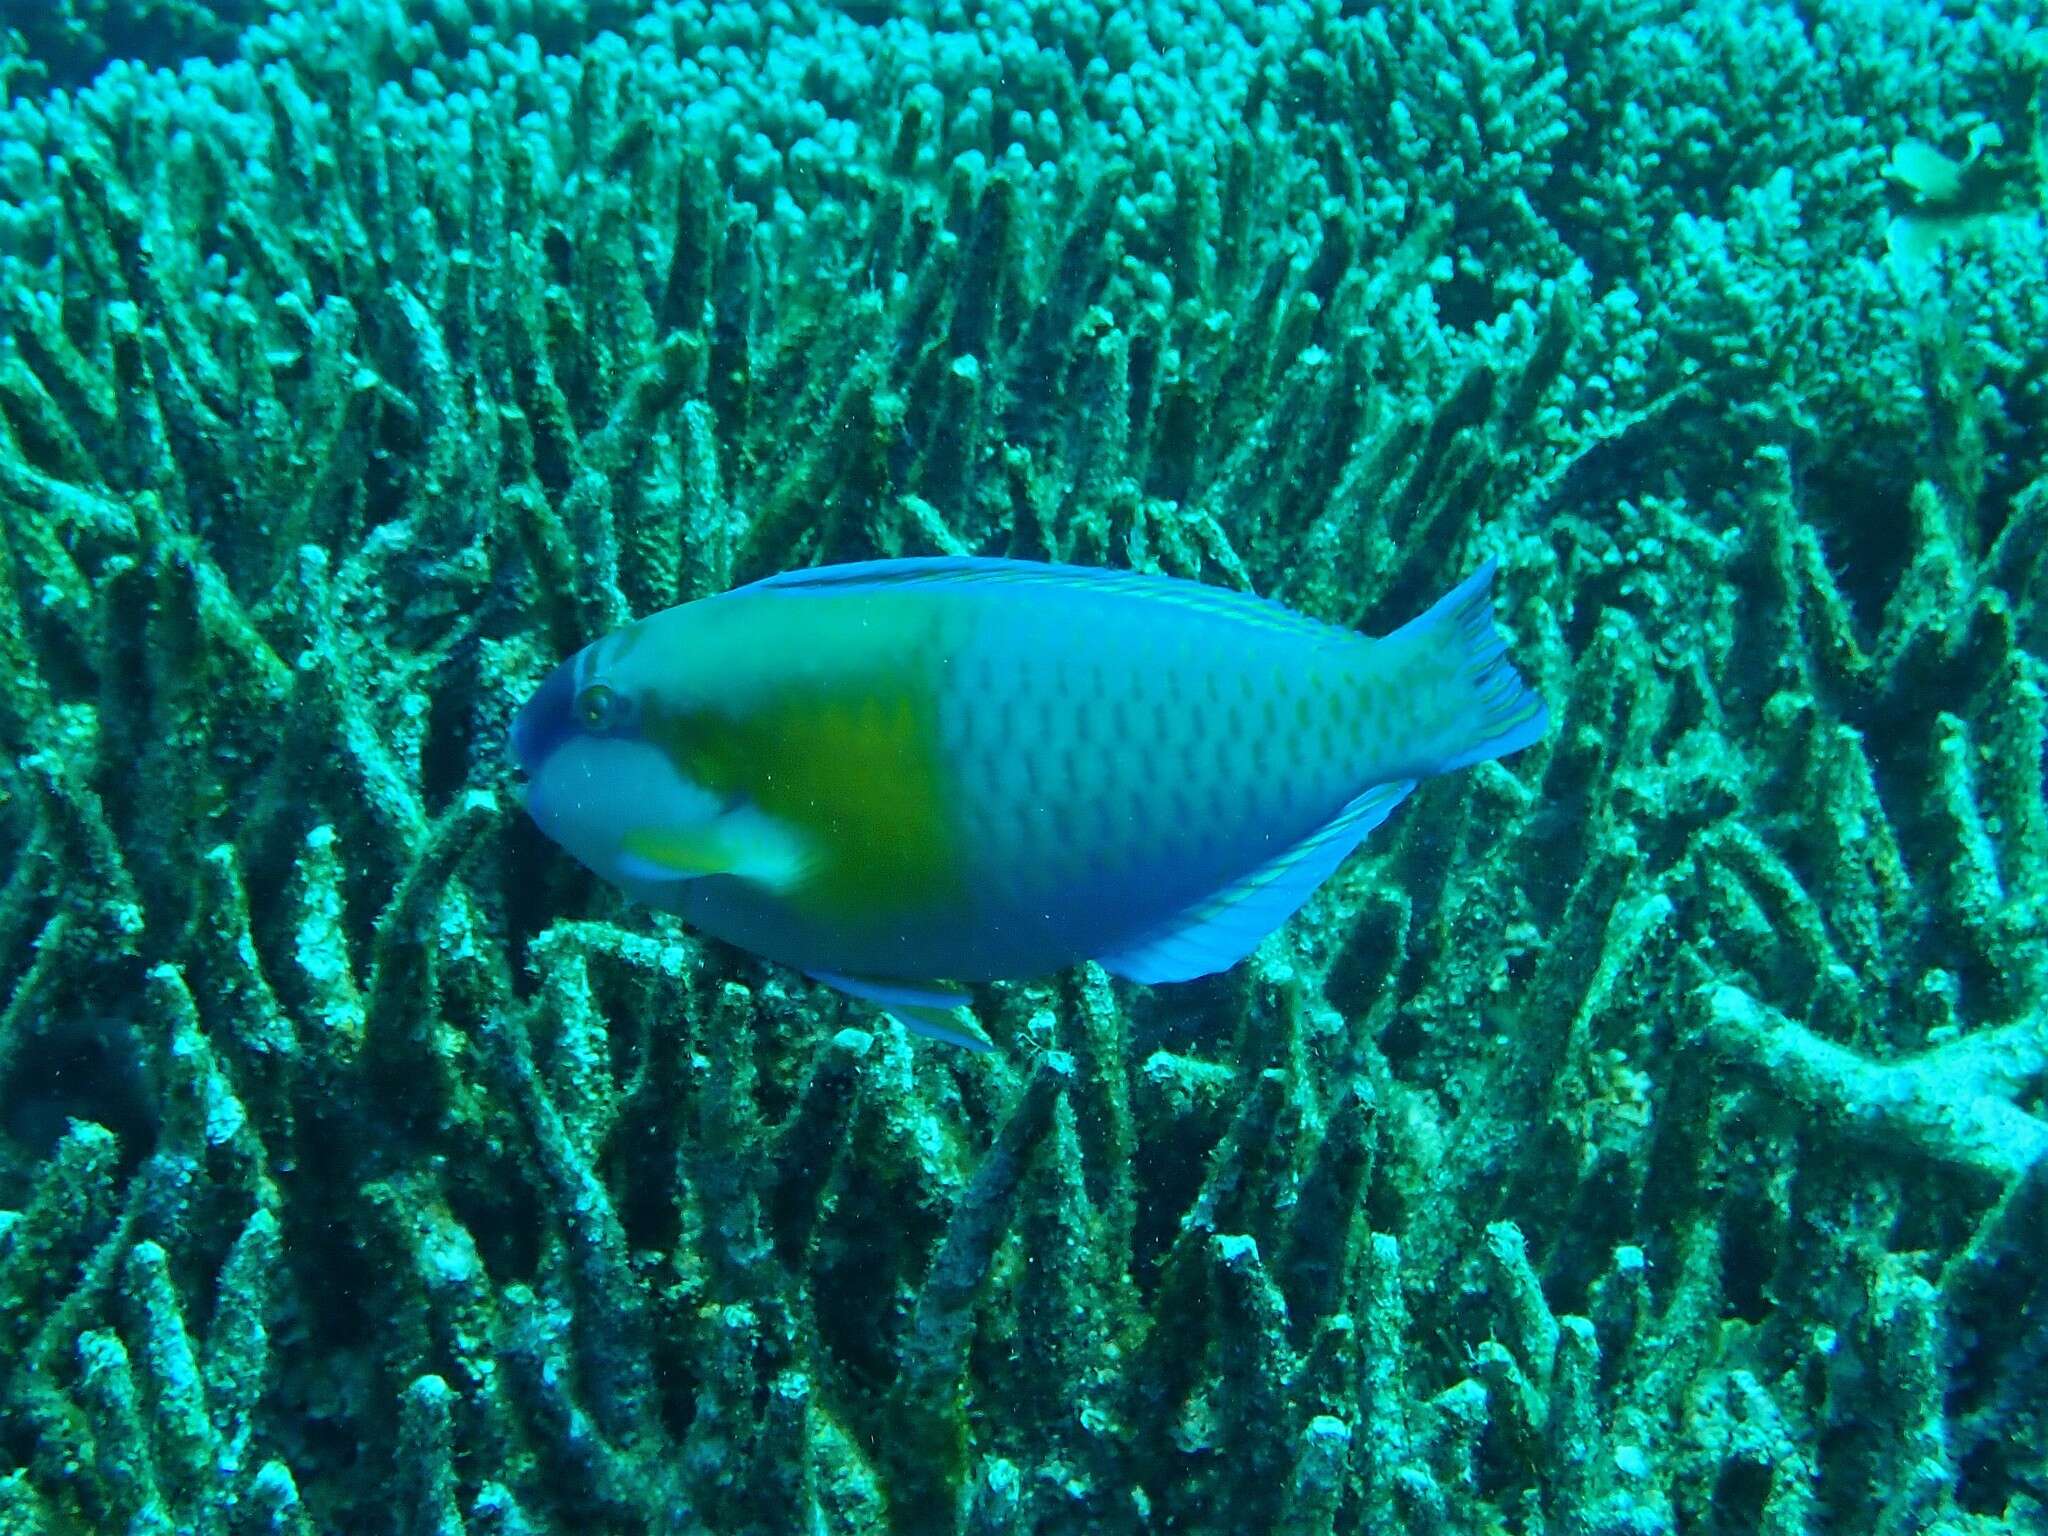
[1220,930]
[975,570]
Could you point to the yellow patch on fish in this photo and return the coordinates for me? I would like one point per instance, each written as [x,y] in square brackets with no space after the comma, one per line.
[856,778]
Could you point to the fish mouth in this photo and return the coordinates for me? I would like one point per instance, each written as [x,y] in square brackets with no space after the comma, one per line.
[529,788]
[521,773]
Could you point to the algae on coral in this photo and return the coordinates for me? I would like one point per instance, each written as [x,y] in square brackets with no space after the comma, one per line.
[1642,1136]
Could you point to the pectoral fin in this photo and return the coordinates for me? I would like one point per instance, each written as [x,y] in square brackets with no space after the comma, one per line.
[743,843]
[929,1008]
[660,853]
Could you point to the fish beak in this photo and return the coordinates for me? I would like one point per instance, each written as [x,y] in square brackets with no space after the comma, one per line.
[522,775]
[545,721]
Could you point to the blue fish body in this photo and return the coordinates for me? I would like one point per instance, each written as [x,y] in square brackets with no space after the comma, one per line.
[898,772]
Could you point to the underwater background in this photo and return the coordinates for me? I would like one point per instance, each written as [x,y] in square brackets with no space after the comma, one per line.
[1645,1134]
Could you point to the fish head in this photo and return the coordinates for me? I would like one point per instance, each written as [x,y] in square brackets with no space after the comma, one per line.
[597,782]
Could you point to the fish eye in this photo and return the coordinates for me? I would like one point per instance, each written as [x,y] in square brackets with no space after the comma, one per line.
[597,706]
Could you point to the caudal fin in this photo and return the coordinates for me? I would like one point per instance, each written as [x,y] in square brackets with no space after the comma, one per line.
[1473,705]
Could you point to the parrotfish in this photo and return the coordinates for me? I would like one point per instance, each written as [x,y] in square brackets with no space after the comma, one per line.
[901,776]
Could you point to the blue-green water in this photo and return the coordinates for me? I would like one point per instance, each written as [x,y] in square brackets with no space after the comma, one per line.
[1643,1133]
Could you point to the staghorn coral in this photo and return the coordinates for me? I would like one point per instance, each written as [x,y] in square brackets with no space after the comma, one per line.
[1644,1136]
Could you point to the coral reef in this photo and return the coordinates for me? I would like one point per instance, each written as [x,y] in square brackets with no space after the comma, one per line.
[1645,1135]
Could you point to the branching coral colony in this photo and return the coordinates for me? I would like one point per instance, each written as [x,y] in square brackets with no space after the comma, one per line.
[1642,1136]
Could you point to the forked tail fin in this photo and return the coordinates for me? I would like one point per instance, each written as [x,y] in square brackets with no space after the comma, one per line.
[1470,703]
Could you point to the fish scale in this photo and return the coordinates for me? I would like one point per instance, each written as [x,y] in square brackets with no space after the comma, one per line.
[1085,665]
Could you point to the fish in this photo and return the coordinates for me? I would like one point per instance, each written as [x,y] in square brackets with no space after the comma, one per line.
[905,777]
